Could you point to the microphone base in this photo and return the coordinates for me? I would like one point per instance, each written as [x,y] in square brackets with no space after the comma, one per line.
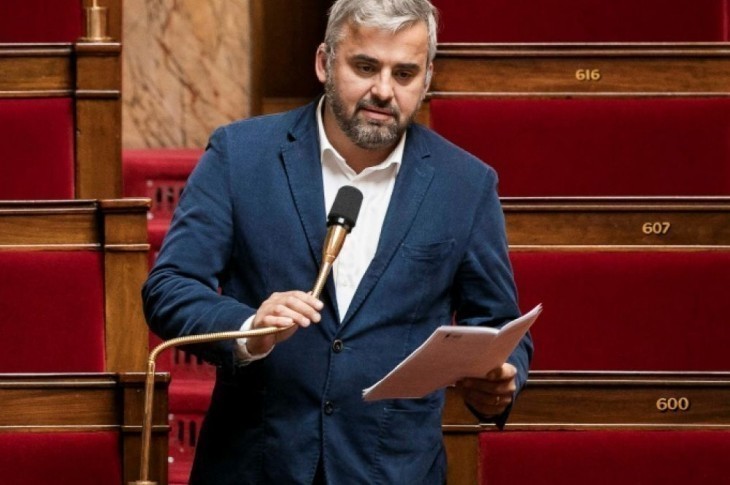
[142,482]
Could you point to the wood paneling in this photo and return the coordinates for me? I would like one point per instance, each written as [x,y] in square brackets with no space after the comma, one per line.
[98,121]
[117,227]
[90,73]
[608,400]
[88,402]
[576,400]
[618,223]
[132,418]
[35,70]
[552,70]
[65,225]
[125,270]
[82,402]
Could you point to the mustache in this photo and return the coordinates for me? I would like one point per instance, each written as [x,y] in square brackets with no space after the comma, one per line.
[379,105]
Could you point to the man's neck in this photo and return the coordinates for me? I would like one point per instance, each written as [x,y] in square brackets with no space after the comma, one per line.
[357,158]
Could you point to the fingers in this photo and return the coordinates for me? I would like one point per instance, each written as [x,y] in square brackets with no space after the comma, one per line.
[505,372]
[492,394]
[288,308]
[486,404]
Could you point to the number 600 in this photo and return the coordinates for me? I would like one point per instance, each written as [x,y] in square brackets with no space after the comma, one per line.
[672,404]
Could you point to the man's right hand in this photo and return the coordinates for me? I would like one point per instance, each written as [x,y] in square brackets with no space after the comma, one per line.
[289,309]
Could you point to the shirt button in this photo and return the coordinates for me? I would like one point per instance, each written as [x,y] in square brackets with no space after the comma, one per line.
[329,408]
[337,346]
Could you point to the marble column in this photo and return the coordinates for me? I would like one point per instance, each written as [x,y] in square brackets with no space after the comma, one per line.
[186,70]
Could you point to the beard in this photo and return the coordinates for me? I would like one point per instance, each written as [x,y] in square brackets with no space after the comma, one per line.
[367,134]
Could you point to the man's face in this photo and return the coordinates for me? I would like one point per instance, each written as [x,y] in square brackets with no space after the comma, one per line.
[376,83]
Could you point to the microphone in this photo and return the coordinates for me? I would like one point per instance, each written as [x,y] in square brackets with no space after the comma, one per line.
[340,221]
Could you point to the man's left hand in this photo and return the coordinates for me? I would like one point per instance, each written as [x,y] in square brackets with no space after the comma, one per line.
[490,396]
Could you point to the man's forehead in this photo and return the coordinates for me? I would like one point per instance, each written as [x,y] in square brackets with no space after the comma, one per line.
[409,43]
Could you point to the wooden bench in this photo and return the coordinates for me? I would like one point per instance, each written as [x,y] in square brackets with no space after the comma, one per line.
[73,338]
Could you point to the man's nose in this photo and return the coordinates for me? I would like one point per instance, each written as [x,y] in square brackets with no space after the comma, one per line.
[382,88]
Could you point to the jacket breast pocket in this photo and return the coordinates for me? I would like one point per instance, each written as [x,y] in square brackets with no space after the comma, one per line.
[430,252]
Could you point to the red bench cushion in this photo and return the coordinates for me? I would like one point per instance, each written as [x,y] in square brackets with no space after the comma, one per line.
[654,311]
[51,311]
[37,146]
[143,169]
[590,147]
[583,21]
[62,458]
[159,174]
[40,20]
[184,432]
[603,457]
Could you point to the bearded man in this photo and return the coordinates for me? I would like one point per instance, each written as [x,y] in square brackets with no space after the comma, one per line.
[429,246]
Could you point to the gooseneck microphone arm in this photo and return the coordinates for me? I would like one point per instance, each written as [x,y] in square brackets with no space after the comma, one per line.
[340,222]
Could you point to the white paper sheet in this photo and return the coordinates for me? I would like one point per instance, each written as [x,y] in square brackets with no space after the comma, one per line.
[450,354]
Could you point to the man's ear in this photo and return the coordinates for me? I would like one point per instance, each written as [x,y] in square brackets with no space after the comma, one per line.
[320,63]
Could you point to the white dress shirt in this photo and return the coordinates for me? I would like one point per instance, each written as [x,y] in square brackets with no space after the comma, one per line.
[376,184]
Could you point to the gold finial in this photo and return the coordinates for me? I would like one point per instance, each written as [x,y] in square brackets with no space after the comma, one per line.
[96,24]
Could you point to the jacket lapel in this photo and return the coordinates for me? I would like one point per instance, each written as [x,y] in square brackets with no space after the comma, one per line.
[410,188]
[301,159]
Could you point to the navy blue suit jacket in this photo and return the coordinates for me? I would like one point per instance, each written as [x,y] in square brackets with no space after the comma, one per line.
[252,221]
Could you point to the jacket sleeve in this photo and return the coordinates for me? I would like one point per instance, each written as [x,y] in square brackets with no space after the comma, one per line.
[181,293]
[484,290]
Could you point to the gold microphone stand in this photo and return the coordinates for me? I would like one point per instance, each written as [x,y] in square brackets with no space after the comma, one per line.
[212,337]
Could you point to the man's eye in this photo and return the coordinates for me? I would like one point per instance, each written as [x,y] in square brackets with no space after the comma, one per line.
[366,68]
[404,75]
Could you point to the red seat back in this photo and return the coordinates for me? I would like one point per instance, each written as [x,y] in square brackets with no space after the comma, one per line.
[159,174]
[583,21]
[644,310]
[40,20]
[79,458]
[592,147]
[603,457]
[51,311]
[37,146]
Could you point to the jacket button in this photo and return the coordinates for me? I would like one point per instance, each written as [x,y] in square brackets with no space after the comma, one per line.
[329,408]
[337,346]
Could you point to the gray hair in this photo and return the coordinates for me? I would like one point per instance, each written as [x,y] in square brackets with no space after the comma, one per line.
[392,15]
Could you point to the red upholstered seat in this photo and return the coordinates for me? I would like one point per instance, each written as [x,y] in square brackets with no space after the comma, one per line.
[37,146]
[592,147]
[146,171]
[90,458]
[159,174]
[51,311]
[644,310]
[188,403]
[603,457]
[583,21]
[184,431]
[40,20]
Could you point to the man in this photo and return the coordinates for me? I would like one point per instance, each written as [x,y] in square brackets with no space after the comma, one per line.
[429,244]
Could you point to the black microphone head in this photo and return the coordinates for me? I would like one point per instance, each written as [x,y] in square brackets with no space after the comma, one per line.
[346,207]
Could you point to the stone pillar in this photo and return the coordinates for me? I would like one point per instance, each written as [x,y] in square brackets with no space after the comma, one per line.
[186,70]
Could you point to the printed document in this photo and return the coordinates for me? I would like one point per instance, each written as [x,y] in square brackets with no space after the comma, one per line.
[451,353]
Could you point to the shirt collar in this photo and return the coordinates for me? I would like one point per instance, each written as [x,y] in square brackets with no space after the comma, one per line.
[329,155]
